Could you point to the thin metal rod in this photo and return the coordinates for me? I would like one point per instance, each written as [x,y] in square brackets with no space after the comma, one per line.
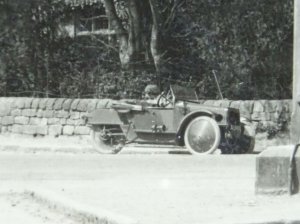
[219,89]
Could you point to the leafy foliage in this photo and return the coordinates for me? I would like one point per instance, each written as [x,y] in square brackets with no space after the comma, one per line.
[248,45]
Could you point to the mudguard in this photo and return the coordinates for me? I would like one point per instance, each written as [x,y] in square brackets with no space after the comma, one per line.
[185,121]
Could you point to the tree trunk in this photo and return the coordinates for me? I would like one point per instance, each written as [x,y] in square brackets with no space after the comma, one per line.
[156,37]
[114,20]
[139,45]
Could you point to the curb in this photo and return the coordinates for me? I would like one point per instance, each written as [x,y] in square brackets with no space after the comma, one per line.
[79,212]
[46,149]
[128,150]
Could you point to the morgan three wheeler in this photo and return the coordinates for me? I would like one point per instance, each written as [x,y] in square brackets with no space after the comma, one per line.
[177,118]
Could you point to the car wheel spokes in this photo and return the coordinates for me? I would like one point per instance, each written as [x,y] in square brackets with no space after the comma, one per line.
[108,139]
[202,136]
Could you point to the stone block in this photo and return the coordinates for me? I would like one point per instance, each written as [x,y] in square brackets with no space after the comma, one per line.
[53,121]
[110,102]
[5,108]
[63,121]
[80,122]
[42,129]
[209,102]
[40,113]
[17,128]
[21,120]
[50,103]
[217,103]
[48,113]
[271,106]
[75,104]
[92,105]
[71,122]
[68,130]
[67,104]
[38,121]
[82,130]
[29,129]
[74,115]
[35,103]
[16,112]
[246,106]
[9,100]
[55,130]
[235,104]
[83,115]
[259,106]
[275,116]
[58,105]
[278,104]
[268,106]
[83,105]
[225,103]
[7,120]
[28,102]
[288,107]
[62,114]
[19,103]
[29,112]
[103,103]
[76,122]
[285,116]
[261,116]
[43,103]
[273,170]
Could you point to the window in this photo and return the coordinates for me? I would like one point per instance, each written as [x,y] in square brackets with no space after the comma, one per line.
[88,19]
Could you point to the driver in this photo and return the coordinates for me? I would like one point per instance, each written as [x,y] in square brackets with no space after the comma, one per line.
[153,97]
[151,94]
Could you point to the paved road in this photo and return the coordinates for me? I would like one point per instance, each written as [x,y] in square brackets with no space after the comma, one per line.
[147,188]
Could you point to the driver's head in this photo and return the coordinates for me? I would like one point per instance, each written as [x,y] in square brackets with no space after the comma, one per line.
[151,91]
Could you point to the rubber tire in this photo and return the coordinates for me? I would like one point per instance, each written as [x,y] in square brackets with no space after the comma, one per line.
[217,132]
[101,147]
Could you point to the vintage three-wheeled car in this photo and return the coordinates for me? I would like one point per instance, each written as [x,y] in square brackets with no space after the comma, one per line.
[176,118]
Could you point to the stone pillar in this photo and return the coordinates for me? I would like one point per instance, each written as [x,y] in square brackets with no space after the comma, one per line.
[295,126]
[276,172]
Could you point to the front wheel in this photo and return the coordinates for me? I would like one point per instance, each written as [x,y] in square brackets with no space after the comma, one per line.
[107,139]
[202,136]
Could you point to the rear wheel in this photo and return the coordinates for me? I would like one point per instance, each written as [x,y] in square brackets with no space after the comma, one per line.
[108,139]
[202,136]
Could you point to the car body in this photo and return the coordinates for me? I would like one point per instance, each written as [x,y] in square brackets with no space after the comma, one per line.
[176,117]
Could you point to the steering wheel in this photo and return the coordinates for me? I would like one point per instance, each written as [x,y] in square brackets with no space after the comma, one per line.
[165,99]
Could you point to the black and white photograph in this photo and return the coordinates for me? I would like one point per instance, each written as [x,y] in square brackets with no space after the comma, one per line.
[149,111]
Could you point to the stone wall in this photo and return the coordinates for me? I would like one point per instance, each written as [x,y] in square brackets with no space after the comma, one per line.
[55,117]
[264,114]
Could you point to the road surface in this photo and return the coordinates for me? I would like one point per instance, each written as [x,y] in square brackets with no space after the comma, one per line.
[160,188]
